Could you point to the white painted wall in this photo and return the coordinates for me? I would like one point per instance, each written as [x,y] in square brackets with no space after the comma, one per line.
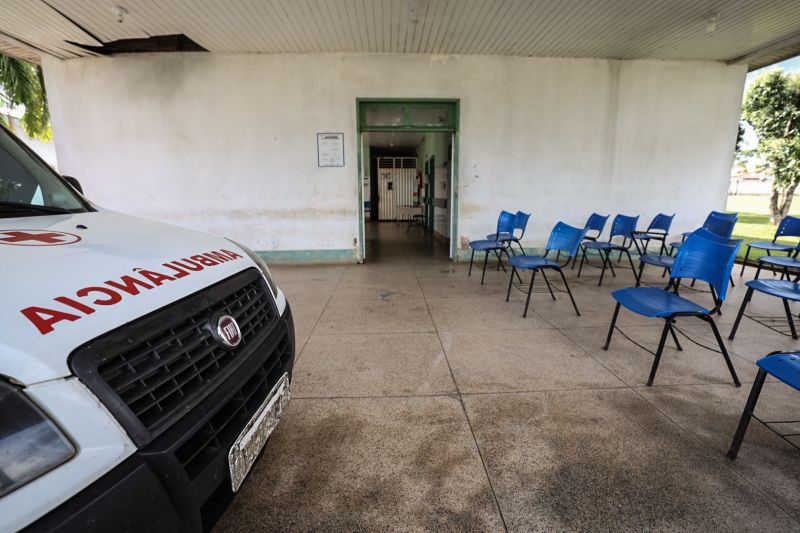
[227,143]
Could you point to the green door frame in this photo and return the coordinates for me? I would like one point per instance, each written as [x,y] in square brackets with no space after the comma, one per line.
[454,104]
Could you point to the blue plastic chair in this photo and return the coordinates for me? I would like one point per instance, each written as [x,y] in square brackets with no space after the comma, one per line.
[623,226]
[563,238]
[658,230]
[516,234]
[505,224]
[707,259]
[661,261]
[783,262]
[667,261]
[789,227]
[786,290]
[784,366]
[595,224]
[716,222]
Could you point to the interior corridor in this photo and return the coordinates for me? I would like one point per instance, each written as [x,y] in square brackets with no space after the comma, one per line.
[392,243]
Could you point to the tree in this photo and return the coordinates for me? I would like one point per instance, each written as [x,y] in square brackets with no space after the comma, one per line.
[772,107]
[22,83]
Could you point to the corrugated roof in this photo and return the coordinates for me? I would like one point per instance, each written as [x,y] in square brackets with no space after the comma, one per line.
[620,29]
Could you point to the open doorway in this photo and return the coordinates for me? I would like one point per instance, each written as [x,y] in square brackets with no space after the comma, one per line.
[408,177]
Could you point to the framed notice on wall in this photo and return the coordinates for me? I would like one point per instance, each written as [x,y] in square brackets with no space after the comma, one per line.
[330,149]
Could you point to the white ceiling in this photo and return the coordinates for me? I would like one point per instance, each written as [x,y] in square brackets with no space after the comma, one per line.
[622,29]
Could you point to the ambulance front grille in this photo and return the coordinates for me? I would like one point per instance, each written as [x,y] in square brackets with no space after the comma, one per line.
[219,431]
[163,364]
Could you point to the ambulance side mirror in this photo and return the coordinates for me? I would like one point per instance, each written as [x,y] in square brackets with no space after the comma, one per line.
[75,183]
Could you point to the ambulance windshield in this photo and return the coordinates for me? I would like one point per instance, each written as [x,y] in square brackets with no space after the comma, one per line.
[29,187]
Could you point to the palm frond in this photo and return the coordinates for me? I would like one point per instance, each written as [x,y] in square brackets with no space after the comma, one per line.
[23,84]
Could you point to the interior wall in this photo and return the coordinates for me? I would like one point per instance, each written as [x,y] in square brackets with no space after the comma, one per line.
[436,144]
[227,143]
[366,179]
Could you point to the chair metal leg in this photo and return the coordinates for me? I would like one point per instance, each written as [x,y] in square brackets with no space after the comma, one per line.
[744,263]
[564,279]
[639,276]
[471,257]
[675,337]
[633,268]
[772,267]
[724,350]
[717,301]
[602,272]
[789,317]
[747,414]
[583,258]
[643,250]
[530,291]
[659,351]
[610,265]
[485,259]
[758,271]
[499,260]
[509,263]
[745,300]
[510,282]
[549,288]
[607,263]
[504,251]
[611,327]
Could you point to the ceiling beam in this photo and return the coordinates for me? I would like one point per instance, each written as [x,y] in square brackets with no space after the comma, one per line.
[773,47]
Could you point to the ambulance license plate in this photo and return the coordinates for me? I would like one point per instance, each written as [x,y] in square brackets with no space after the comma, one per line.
[252,439]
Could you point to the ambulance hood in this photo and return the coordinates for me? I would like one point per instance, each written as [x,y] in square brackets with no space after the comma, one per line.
[67,279]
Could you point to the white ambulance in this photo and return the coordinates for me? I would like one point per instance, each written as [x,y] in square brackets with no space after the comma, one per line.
[142,366]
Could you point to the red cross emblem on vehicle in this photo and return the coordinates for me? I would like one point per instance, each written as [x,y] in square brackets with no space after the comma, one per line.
[36,237]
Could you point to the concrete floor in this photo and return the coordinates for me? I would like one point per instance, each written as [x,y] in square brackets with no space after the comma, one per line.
[422,401]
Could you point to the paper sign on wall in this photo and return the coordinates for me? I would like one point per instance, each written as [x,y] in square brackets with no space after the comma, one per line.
[330,149]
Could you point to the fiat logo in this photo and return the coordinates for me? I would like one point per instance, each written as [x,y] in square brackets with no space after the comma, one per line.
[227,331]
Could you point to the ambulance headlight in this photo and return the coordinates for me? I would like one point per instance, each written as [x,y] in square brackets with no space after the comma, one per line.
[30,443]
[261,265]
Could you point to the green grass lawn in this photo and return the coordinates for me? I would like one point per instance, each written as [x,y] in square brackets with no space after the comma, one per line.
[753,224]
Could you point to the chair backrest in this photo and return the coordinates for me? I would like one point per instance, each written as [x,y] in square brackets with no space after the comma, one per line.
[596,223]
[723,214]
[623,226]
[565,238]
[520,223]
[661,222]
[707,257]
[789,227]
[721,226]
[505,223]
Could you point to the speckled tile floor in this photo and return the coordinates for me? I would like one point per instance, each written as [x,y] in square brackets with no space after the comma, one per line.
[422,401]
